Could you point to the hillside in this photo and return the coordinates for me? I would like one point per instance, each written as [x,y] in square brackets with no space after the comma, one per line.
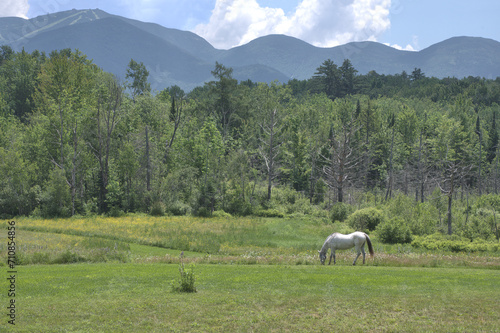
[185,59]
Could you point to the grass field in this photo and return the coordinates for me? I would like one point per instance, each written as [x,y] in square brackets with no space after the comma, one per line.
[262,298]
[264,276]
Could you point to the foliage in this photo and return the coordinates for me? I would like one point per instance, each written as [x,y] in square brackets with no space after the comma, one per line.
[55,200]
[340,212]
[220,213]
[394,231]
[453,243]
[74,141]
[157,209]
[269,213]
[186,283]
[419,217]
[365,219]
[139,75]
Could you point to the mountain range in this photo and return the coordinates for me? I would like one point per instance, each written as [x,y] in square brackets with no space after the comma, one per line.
[175,57]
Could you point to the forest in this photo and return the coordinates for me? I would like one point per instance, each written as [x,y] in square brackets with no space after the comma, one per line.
[75,140]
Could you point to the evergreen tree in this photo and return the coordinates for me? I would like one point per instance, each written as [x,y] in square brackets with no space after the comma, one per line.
[492,139]
[328,77]
[348,76]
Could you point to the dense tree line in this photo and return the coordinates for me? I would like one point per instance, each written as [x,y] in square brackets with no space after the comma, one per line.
[76,140]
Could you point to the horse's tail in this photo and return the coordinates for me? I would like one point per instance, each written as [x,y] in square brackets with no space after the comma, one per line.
[370,247]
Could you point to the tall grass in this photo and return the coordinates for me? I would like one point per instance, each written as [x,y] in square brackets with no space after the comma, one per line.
[247,240]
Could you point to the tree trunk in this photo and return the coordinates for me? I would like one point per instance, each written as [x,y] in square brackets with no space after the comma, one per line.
[496,173]
[148,163]
[73,171]
[480,160]
[312,180]
[450,203]
[340,194]
[388,194]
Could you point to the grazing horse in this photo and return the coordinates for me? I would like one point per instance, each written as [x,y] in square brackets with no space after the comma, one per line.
[338,241]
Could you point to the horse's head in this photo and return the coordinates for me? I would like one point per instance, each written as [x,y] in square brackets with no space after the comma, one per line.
[322,257]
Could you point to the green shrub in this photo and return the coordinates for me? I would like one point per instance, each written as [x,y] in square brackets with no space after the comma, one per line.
[394,231]
[453,243]
[340,212]
[269,213]
[204,212]
[221,213]
[238,206]
[478,227]
[365,219]
[186,284]
[179,208]
[68,257]
[284,195]
[115,212]
[488,201]
[423,220]
[55,200]
[157,209]
[40,258]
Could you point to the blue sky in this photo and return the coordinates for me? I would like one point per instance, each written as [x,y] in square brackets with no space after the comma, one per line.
[404,24]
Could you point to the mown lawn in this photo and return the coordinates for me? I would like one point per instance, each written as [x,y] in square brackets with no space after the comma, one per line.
[132,297]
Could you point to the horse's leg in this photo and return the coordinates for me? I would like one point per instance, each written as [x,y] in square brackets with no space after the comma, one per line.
[332,255]
[354,263]
[334,261]
[363,251]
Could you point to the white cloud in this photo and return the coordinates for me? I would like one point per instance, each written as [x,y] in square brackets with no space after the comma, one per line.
[322,23]
[399,47]
[414,46]
[17,8]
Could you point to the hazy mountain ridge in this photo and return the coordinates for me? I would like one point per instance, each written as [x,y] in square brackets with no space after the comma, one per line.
[179,57]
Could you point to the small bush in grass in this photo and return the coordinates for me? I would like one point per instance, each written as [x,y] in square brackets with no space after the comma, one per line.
[394,231]
[269,213]
[187,278]
[68,257]
[115,212]
[157,209]
[453,243]
[179,208]
[204,212]
[40,258]
[365,219]
[340,212]
[221,213]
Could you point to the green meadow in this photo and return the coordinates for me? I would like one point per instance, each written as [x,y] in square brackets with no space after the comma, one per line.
[252,275]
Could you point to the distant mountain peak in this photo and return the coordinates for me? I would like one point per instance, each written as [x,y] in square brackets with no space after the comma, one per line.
[183,58]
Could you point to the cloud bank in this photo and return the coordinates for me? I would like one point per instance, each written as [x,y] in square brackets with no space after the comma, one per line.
[16,8]
[323,23]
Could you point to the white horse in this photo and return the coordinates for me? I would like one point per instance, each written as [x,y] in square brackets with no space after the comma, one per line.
[338,241]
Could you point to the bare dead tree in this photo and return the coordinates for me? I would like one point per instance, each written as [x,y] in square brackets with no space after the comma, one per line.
[342,160]
[453,172]
[270,145]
